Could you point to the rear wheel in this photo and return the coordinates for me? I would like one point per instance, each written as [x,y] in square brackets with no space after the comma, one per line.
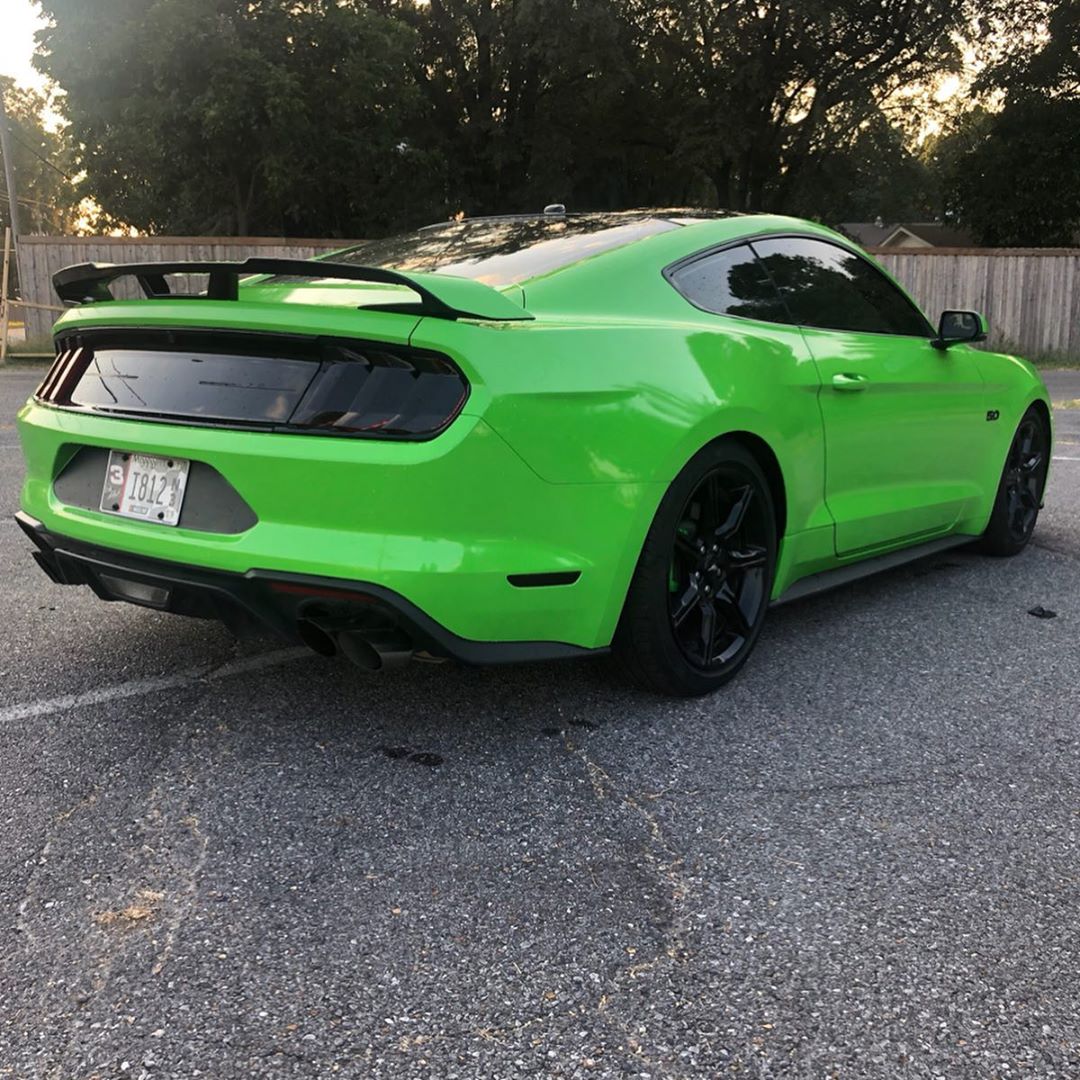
[699,595]
[1019,495]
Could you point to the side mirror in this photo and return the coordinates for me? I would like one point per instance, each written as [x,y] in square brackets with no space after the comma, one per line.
[959,326]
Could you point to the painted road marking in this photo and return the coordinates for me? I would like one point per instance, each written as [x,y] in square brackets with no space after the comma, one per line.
[1056,458]
[139,687]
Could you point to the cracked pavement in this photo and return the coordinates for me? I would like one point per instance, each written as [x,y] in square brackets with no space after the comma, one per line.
[860,860]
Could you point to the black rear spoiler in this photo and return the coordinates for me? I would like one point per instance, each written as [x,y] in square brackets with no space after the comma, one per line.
[441,296]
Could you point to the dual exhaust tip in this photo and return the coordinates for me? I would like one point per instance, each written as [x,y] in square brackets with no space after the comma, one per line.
[370,650]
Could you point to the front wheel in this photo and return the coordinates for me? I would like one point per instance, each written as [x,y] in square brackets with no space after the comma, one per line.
[1020,491]
[699,595]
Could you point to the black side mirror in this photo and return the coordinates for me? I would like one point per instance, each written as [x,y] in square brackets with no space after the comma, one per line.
[958,326]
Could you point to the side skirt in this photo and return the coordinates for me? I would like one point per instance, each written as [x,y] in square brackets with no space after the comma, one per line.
[844,575]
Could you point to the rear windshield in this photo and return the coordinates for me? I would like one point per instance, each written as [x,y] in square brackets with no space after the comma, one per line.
[503,251]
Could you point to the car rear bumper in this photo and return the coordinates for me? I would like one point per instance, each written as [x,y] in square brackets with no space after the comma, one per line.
[270,602]
[451,525]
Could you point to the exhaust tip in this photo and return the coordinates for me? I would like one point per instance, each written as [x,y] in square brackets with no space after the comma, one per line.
[367,649]
[359,651]
[316,638]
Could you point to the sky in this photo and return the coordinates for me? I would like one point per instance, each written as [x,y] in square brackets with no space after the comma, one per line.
[18,21]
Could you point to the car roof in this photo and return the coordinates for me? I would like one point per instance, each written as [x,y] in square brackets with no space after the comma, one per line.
[676,214]
[507,249]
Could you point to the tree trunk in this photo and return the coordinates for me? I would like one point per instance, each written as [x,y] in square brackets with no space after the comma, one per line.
[721,178]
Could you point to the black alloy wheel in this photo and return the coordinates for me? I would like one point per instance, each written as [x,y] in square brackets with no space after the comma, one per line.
[1020,492]
[701,589]
[1024,473]
[718,571]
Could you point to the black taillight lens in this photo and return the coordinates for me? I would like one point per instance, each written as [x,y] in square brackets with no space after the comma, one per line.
[412,394]
[277,382]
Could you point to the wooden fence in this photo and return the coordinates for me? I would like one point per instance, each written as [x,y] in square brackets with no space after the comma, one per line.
[1030,296]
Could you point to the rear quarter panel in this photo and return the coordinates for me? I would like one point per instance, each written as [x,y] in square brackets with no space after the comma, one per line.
[628,401]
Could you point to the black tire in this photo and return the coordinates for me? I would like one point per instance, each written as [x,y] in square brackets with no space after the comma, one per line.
[711,548]
[1020,490]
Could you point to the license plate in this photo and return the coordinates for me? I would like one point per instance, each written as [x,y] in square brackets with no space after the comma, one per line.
[144,486]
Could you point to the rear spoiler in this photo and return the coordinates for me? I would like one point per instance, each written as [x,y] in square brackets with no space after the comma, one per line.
[441,295]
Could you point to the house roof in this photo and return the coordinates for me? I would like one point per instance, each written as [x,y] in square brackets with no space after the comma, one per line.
[934,233]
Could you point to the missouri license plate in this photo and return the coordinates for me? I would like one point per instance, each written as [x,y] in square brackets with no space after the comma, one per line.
[144,486]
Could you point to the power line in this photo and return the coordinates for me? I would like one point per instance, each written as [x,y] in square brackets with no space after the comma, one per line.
[24,201]
[43,160]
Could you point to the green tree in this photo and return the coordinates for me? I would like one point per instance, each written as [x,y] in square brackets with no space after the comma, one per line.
[1013,176]
[533,101]
[230,116]
[869,174]
[347,117]
[42,163]
[763,90]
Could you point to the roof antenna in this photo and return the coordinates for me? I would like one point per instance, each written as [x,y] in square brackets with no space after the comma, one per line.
[555,209]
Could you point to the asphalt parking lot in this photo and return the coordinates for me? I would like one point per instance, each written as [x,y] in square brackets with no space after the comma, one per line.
[861,859]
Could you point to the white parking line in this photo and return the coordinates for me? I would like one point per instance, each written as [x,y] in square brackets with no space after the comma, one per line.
[138,687]
[1057,458]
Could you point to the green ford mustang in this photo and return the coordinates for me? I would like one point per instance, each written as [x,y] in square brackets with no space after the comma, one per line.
[522,437]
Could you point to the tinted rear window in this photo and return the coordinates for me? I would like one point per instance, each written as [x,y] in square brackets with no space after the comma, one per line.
[503,251]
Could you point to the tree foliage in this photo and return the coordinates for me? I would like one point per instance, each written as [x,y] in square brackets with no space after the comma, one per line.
[225,116]
[1013,176]
[41,160]
[353,117]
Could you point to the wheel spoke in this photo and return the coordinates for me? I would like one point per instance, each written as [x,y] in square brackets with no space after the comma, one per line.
[737,514]
[1025,437]
[732,614]
[745,558]
[685,546]
[708,629]
[686,603]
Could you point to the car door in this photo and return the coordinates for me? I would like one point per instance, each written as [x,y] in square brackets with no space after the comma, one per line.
[905,423]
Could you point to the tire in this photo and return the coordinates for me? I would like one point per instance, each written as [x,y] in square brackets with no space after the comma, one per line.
[711,548]
[1020,490]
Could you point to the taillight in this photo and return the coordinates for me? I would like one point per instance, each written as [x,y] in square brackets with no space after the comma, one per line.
[404,394]
[276,382]
[61,379]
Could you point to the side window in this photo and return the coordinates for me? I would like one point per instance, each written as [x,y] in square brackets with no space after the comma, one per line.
[835,289]
[731,282]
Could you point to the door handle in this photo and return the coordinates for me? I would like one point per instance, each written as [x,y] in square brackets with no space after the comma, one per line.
[848,383]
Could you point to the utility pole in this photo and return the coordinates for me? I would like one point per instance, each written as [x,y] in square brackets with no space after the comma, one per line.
[9,182]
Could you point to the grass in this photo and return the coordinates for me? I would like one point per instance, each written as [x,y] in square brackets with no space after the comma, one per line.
[31,352]
[1050,359]
[1053,361]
